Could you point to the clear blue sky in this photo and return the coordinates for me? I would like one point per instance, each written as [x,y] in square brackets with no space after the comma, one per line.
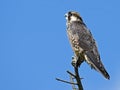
[34,47]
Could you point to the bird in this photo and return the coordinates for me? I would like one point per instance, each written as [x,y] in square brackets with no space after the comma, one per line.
[83,44]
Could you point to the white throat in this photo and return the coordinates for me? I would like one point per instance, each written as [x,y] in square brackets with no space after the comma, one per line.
[73,18]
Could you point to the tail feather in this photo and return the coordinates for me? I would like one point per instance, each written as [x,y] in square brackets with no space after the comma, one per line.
[96,64]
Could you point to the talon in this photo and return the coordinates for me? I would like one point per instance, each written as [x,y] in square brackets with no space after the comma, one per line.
[74,61]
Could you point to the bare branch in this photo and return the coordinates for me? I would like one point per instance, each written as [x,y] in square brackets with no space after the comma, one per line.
[71,73]
[80,87]
[66,81]
[76,64]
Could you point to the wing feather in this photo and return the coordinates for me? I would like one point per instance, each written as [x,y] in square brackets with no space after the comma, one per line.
[92,56]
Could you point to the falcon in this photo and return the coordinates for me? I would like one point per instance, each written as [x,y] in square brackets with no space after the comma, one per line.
[83,43]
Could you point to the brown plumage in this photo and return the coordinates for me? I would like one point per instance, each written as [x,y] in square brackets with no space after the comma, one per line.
[82,42]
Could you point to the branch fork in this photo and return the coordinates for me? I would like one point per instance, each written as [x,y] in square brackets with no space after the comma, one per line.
[74,76]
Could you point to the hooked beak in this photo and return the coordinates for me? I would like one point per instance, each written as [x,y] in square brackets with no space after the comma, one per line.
[66,16]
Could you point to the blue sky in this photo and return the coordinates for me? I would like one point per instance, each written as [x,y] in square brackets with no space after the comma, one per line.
[34,47]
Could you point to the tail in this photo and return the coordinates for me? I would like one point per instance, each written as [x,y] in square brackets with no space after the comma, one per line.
[96,64]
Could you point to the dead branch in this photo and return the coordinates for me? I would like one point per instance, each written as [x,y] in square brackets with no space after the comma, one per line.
[74,76]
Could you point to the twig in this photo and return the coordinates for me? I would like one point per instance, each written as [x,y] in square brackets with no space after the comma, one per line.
[71,74]
[66,81]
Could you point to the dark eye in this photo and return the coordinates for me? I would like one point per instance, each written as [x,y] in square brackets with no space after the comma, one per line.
[69,14]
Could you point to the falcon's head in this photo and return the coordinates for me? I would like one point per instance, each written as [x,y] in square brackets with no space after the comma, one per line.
[73,16]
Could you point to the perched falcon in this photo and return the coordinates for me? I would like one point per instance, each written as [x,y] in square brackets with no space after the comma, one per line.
[83,44]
